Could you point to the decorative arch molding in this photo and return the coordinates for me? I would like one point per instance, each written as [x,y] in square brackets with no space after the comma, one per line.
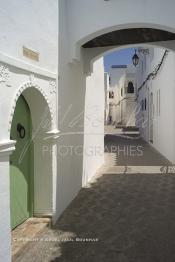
[21,89]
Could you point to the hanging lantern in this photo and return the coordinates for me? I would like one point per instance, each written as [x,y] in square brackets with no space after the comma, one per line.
[135,59]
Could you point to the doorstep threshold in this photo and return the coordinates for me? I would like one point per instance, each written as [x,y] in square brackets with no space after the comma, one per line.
[25,232]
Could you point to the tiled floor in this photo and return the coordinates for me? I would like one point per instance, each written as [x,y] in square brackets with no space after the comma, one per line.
[26,232]
[132,217]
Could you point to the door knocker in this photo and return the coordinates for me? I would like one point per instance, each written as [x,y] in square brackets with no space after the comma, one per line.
[21,130]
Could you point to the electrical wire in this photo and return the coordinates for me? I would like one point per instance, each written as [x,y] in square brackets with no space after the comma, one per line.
[154,73]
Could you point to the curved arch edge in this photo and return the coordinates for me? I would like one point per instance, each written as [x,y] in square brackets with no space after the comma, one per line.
[19,92]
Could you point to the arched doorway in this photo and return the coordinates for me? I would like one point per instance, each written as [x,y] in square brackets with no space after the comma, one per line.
[91,39]
[93,52]
[32,162]
[21,165]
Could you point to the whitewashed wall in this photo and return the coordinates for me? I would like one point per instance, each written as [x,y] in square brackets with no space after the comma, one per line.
[128,110]
[77,95]
[94,122]
[117,76]
[33,24]
[129,103]
[106,90]
[143,69]
[71,98]
[5,236]
[123,105]
[163,123]
[118,14]
[16,81]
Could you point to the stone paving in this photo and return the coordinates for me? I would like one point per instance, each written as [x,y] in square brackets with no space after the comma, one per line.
[132,151]
[117,218]
[27,230]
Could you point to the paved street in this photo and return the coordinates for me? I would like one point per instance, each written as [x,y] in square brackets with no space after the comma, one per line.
[129,150]
[123,217]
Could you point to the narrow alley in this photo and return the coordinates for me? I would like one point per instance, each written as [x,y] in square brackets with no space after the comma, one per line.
[123,217]
[87,131]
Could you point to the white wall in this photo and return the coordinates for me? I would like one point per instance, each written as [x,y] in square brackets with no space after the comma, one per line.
[106,90]
[163,124]
[13,82]
[128,107]
[129,103]
[117,14]
[5,232]
[142,117]
[143,69]
[33,24]
[75,101]
[117,76]
[94,122]
[71,100]
[123,104]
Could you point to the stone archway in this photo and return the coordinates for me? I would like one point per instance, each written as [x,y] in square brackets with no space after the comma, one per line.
[93,46]
[130,36]
[74,61]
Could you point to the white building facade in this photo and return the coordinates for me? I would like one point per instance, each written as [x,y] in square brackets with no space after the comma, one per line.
[28,73]
[106,91]
[155,111]
[122,95]
[45,64]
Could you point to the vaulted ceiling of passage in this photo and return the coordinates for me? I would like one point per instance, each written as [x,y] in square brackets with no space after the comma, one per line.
[130,36]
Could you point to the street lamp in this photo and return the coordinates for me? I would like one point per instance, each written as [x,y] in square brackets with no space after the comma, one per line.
[135,59]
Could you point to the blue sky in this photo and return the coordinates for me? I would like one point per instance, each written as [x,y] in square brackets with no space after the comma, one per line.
[122,57]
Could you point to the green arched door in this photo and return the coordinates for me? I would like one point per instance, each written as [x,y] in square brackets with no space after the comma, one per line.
[21,165]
